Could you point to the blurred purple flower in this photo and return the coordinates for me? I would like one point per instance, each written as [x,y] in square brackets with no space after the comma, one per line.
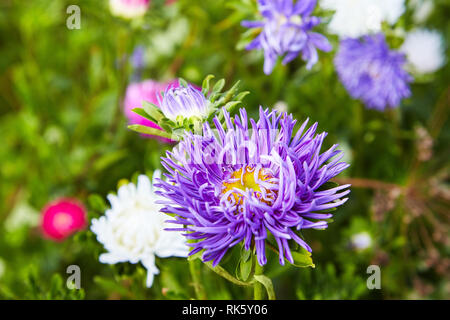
[373,73]
[237,184]
[137,57]
[286,32]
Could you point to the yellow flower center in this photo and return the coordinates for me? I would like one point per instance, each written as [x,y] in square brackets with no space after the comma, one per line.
[246,181]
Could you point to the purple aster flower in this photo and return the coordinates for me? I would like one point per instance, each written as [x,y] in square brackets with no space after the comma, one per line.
[286,32]
[373,73]
[238,184]
[183,101]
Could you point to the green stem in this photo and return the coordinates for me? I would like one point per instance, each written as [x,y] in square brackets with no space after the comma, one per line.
[195,274]
[258,293]
[224,273]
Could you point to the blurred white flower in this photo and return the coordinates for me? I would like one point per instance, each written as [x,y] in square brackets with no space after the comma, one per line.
[354,18]
[133,229]
[361,241]
[22,215]
[424,50]
[281,106]
[129,9]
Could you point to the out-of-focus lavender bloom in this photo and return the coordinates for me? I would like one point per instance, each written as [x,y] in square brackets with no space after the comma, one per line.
[286,32]
[373,73]
[185,102]
[240,184]
[137,57]
[137,62]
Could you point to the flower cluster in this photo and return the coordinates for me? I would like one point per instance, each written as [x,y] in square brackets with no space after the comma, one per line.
[286,32]
[240,184]
[373,73]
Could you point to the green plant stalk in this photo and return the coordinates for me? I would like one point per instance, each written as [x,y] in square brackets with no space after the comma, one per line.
[223,273]
[195,274]
[258,293]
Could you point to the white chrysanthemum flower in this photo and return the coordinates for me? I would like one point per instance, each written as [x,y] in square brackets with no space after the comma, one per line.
[424,50]
[133,229]
[355,18]
[129,9]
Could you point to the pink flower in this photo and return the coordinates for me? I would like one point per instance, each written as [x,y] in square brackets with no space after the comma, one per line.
[129,9]
[62,218]
[137,92]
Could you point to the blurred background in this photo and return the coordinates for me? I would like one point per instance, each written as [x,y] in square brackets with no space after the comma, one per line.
[63,133]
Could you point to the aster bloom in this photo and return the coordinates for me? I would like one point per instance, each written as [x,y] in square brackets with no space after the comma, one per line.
[242,184]
[129,9]
[355,18]
[133,228]
[62,218]
[137,93]
[183,102]
[373,73]
[424,50]
[286,32]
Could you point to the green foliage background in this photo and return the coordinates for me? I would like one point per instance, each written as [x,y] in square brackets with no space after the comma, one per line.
[63,133]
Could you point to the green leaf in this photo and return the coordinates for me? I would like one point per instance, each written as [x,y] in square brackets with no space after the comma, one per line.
[267,283]
[152,131]
[302,259]
[241,95]
[246,269]
[182,82]
[97,203]
[231,105]
[205,84]
[152,110]
[142,113]
[246,254]
[218,86]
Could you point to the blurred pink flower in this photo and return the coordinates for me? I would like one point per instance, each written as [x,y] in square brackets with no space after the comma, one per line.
[62,218]
[129,9]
